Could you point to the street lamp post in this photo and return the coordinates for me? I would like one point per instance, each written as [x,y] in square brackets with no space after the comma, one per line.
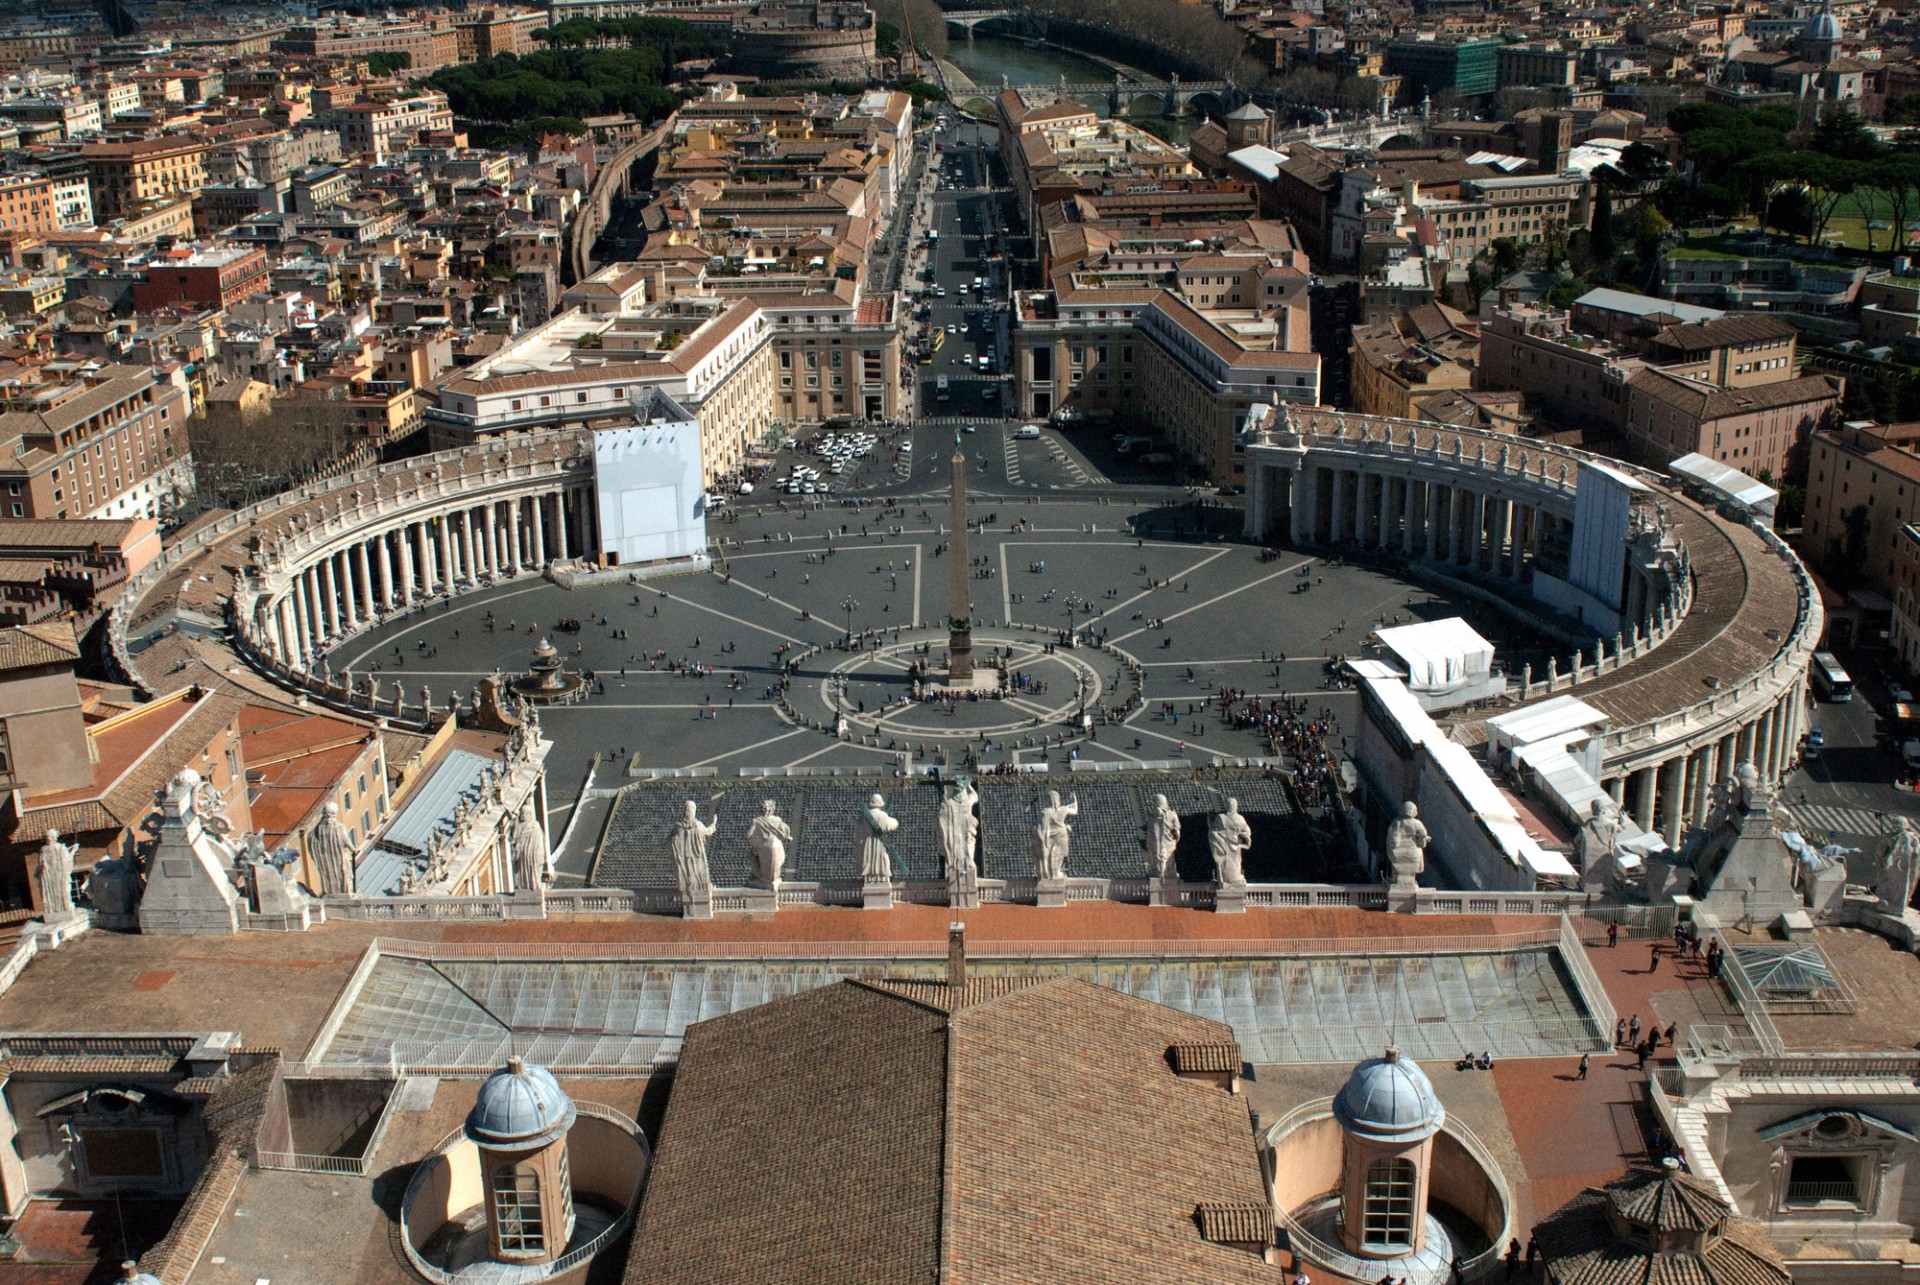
[849,606]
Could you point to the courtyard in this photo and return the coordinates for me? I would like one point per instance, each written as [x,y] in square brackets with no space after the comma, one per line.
[686,670]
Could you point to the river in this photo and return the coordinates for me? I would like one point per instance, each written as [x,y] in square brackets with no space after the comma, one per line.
[987,58]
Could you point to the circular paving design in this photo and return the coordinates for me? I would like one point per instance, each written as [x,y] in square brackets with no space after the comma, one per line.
[1049,688]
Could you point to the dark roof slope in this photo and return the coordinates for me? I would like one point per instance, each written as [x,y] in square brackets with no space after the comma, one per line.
[875,1132]
[802,1142]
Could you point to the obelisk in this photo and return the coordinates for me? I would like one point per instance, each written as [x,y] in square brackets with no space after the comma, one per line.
[959,577]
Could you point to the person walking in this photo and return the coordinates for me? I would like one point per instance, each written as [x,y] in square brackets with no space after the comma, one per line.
[1613,935]
[1633,1030]
[1584,1059]
[1620,1033]
[1654,966]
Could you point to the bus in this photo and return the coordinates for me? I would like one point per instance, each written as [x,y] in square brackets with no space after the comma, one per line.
[940,389]
[1830,681]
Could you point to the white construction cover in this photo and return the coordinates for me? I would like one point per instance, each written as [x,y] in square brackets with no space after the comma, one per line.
[1439,654]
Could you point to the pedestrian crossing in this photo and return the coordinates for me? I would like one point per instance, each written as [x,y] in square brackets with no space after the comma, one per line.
[1817,820]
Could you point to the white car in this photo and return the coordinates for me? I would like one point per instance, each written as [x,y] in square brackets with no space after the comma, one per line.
[746,488]
[808,489]
[907,447]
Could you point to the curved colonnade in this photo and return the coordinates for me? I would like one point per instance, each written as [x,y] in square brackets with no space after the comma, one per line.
[296,574]
[1719,619]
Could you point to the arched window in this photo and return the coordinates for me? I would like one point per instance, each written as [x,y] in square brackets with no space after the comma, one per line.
[1386,1220]
[516,1209]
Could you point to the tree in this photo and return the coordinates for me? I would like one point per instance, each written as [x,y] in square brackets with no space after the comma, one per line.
[1843,136]
[1506,254]
[384,62]
[1600,233]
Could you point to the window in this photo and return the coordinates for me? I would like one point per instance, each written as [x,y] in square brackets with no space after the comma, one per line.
[1821,1180]
[516,1209]
[1386,1220]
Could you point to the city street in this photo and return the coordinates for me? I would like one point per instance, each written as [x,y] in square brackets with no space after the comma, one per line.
[1845,791]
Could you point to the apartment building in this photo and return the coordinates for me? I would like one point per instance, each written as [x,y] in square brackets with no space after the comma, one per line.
[378,129]
[76,116]
[127,176]
[78,441]
[1399,364]
[40,204]
[429,46]
[202,278]
[737,363]
[1724,387]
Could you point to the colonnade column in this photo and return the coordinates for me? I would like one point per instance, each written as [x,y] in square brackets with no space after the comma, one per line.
[1477,554]
[1671,803]
[443,532]
[1406,516]
[329,599]
[518,560]
[1432,545]
[384,542]
[1743,746]
[1338,530]
[1520,513]
[1502,525]
[1763,751]
[539,505]
[1301,495]
[1709,756]
[289,637]
[403,542]
[303,640]
[364,575]
[1643,799]
[1360,509]
[349,612]
[1386,510]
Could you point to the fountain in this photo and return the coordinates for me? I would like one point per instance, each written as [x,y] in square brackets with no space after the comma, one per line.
[547,679]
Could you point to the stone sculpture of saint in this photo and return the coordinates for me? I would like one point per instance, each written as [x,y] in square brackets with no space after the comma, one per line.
[876,863]
[767,840]
[1163,836]
[1051,836]
[56,878]
[959,833]
[1900,869]
[689,844]
[331,848]
[1599,835]
[1407,844]
[529,839]
[1228,838]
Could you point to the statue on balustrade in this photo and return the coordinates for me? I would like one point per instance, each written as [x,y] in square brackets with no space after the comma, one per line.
[56,878]
[330,848]
[1163,836]
[1228,838]
[529,840]
[876,863]
[960,834]
[767,840]
[1900,868]
[1407,845]
[1051,835]
[689,845]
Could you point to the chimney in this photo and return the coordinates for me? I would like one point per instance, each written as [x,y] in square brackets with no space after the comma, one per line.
[956,956]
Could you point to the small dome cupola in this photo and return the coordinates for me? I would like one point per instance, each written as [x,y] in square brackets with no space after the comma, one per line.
[1389,1099]
[519,1122]
[520,1107]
